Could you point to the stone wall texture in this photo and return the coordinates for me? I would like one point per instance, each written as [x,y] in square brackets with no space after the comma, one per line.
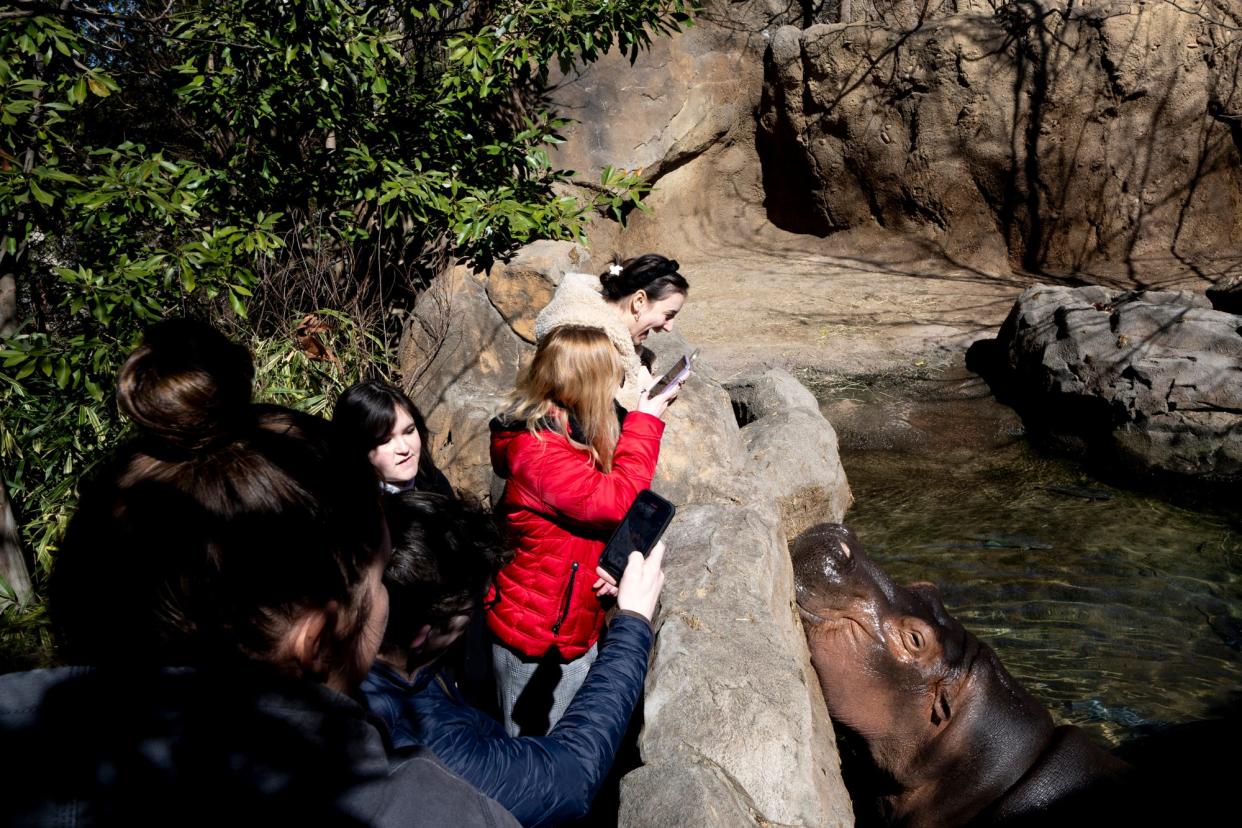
[1045,134]
[735,730]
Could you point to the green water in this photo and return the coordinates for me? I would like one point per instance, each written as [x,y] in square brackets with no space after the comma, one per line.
[1119,610]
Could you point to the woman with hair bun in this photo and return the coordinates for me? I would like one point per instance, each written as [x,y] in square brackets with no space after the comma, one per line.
[220,584]
[630,300]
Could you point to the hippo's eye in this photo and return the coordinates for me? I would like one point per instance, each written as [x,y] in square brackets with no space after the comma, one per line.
[916,640]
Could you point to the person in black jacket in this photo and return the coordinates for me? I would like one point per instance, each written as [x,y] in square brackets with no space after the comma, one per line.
[444,557]
[221,587]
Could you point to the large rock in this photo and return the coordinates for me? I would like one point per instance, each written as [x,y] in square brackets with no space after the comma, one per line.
[1156,376]
[1056,136]
[730,683]
[690,791]
[681,113]
[458,359]
[701,440]
[13,569]
[792,448]
[521,286]
[735,731]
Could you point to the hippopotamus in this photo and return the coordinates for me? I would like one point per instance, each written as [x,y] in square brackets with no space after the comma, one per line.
[955,739]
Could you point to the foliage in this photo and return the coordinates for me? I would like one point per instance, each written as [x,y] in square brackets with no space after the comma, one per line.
[293,377]
[160,159]
[25,639]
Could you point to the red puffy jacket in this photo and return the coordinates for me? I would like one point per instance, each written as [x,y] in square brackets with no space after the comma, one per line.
[560,509]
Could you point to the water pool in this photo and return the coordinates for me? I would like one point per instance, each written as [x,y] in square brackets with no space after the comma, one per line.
[1120,610]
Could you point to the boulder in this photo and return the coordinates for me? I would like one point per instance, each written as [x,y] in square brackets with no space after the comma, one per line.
[521,286]
[1048,135]
[1226,294]
[458,359]
[14,576]
[690,790]
[734,725]
[1154,377]
[792,448]
[729,681]
[701,440]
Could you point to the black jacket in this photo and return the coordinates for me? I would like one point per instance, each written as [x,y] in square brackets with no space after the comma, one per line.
[179,746]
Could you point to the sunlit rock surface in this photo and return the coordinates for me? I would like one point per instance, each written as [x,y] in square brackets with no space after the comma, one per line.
[1154,376]
[1058,136]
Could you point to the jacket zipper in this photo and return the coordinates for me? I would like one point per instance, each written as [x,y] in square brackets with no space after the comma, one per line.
[569,591]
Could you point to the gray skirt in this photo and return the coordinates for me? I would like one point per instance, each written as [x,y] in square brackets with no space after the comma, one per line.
[534,692]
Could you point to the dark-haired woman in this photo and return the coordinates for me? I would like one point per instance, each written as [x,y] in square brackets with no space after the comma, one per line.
[221,585]
[380,421]
[628,301]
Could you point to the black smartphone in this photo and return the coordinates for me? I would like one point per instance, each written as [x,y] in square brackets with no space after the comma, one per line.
[640,529]
[679,371]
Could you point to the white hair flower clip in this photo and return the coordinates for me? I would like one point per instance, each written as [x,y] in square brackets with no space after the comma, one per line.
[614,269]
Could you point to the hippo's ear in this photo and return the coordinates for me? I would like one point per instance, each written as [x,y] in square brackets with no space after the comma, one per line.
[941,711]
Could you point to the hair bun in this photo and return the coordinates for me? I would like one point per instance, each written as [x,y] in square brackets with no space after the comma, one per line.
[612,273]
[650,271]
[187,385]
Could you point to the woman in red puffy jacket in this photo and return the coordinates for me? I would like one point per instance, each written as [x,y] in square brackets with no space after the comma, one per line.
[573,461]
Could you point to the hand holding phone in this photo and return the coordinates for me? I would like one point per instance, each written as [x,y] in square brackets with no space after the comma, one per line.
[640,530]
[640,586]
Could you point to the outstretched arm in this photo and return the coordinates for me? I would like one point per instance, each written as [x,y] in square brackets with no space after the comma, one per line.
[553,779]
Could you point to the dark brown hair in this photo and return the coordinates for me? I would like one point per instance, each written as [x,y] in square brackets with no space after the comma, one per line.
[444,557]
[651,273]
[206,535]
[366,413]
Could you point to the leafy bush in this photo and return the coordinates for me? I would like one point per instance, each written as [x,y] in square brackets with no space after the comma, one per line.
[187,159]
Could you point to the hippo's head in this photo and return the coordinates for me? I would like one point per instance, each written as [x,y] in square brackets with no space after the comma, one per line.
[924,694]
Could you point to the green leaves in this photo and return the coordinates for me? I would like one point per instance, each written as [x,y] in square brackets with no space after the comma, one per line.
[155,163]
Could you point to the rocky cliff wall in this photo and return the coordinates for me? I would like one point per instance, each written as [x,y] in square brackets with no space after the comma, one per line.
[1052,135]
[684,114]
[735,730]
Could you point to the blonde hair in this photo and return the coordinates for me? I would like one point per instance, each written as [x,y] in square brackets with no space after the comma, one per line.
[578,370]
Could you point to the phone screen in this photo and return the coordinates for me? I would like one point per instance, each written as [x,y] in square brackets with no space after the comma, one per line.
[640,530]
[679,371]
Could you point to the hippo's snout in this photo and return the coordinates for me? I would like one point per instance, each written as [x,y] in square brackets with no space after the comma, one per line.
[824,554]
[824,559]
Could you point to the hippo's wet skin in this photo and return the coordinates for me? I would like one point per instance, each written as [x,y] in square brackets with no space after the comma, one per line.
[961,740]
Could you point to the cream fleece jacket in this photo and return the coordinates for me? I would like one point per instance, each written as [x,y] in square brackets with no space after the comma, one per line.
[578,301]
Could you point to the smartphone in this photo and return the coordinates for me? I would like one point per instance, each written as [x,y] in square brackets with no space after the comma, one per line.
[640,529]
[679,371]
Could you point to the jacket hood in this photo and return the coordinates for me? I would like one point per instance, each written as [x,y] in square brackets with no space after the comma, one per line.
[505,430]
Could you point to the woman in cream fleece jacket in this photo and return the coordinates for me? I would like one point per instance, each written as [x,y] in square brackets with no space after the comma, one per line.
[630,300]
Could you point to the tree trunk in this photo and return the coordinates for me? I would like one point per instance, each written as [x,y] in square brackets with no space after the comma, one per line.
[12,562]
[8,305]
